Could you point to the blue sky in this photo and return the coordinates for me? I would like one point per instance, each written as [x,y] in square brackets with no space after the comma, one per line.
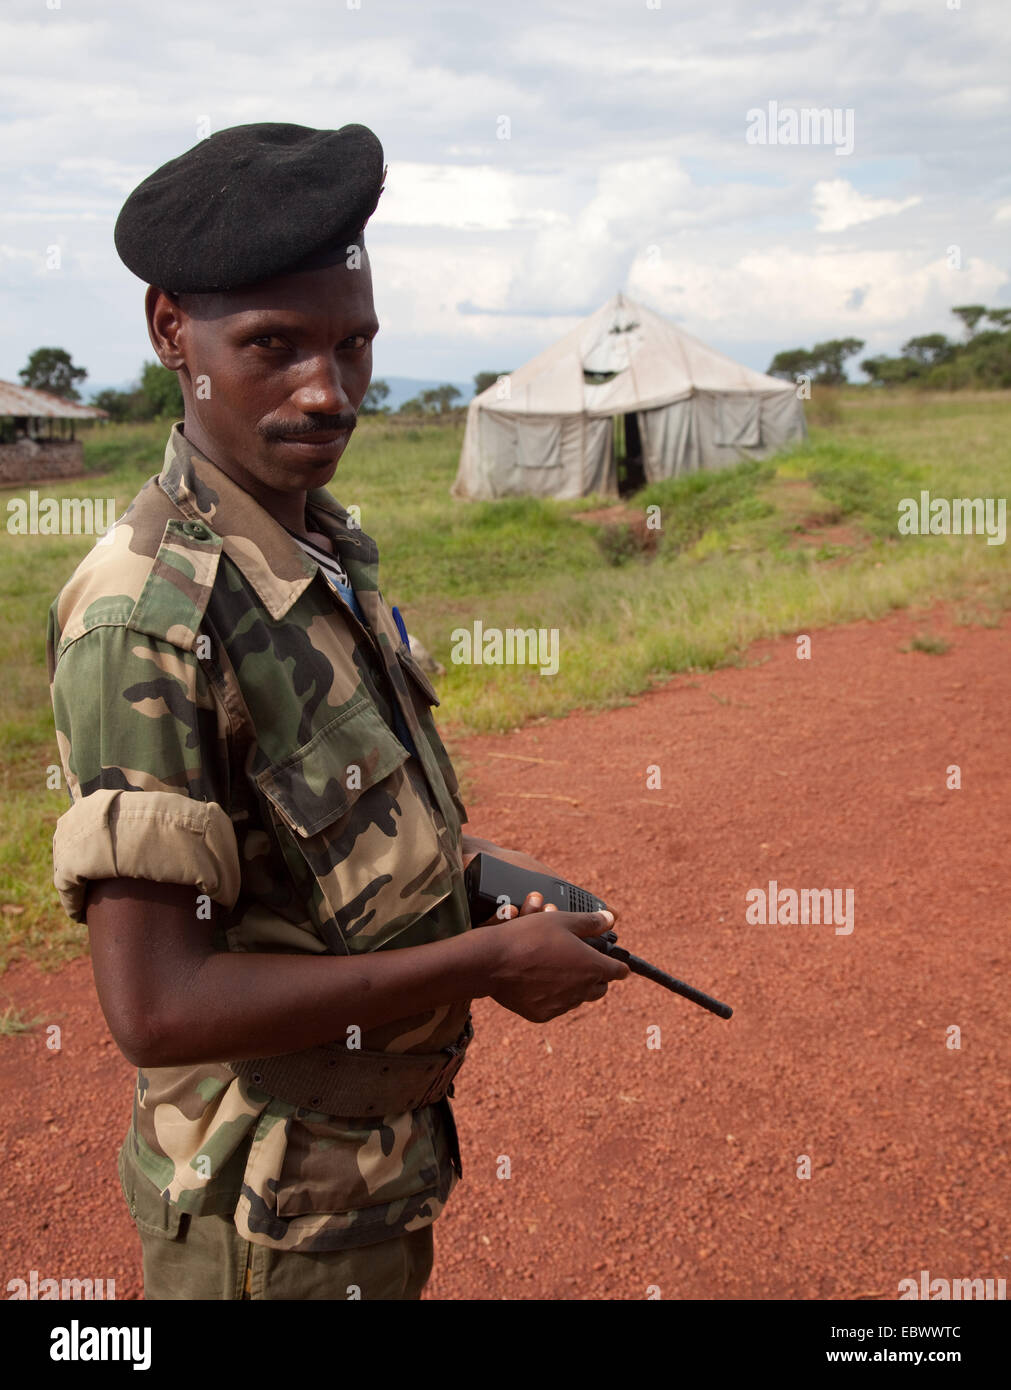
[626,164]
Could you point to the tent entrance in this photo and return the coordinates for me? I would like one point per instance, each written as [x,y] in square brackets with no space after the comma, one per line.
[628,454]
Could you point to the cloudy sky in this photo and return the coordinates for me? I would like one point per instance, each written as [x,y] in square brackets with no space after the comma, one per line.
[542,155]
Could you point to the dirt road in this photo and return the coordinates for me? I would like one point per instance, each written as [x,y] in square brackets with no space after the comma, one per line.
[682,1166]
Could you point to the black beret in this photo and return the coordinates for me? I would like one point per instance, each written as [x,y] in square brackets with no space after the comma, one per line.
[251,202]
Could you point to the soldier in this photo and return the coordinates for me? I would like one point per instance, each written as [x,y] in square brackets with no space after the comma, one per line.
[265,831]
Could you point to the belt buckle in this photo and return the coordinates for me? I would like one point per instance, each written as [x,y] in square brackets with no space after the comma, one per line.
[456,1051]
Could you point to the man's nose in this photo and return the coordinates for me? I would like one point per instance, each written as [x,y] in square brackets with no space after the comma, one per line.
[321,389]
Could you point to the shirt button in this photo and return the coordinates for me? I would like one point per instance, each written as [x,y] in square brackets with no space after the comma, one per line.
[196,530]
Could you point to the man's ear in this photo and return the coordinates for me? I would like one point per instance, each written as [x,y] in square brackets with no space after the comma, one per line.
[165,318]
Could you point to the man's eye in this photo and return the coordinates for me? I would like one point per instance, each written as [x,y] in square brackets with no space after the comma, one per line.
[357,342]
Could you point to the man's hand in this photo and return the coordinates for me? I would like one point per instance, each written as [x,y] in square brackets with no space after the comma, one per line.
[543,967]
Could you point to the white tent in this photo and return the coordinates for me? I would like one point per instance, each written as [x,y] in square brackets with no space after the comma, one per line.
[547,429]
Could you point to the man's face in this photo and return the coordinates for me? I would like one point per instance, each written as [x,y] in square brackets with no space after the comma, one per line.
[285,365]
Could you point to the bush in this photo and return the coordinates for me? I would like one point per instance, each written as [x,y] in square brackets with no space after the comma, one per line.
[618,544]
[701,502]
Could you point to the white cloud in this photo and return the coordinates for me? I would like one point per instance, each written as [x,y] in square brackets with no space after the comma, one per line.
[628,129]
[799,295]
[973,100]
[839,205]
[472,196]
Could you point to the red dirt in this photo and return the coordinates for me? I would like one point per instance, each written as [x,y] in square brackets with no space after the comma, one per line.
[677,1168]
[618,513]
[820,534]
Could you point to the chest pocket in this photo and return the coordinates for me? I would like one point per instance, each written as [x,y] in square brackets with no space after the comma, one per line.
[358,810]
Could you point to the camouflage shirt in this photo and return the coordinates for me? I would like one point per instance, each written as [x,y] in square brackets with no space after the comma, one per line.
[224,720]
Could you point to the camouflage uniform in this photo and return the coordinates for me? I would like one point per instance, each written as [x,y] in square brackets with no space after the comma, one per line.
[225,721]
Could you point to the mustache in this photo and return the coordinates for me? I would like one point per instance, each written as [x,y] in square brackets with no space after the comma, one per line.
[317,424]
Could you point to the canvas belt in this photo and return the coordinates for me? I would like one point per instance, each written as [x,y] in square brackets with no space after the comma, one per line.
[338,1080]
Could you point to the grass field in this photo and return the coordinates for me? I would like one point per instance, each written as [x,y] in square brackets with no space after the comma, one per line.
[805,540]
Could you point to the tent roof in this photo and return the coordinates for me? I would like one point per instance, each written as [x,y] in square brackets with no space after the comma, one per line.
[656,363]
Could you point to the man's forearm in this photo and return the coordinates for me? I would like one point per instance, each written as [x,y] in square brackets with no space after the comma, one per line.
[283,1003]
[170,1000]
[368,990]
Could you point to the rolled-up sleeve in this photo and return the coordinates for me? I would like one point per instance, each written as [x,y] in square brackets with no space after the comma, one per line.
[144,752]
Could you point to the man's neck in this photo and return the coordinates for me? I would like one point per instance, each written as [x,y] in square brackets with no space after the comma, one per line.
[318,539]
[286,507]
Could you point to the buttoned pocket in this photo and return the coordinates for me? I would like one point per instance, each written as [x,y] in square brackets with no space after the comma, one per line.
[361,815]
[320,782]
[151,1213]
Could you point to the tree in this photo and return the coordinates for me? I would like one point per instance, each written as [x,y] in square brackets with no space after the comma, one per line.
[374,397]
[118,405]
[970,314]
[872,366]
[891,371]
[483,380]
[929,349]
[790,364]
[160,394]
[50,369]
[934,361]
[987,358]
[828,358]
[439,398]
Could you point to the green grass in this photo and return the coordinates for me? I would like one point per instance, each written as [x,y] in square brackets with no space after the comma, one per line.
[11,1022]
[741,554]
[701,503]
[927,642]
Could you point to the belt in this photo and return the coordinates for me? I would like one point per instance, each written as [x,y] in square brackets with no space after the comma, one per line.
[338,1080]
